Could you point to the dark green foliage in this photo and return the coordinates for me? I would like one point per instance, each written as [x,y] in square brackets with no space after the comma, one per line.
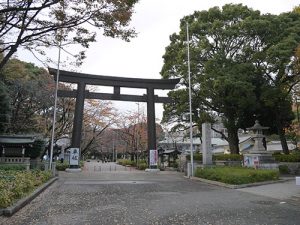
[22,183]
[196,157]
[242,65]
[294,157]
[236,175]
[4,107]
[36,150]
[142,166]
[283,169]
[12,167]
[228,157]
[61,166]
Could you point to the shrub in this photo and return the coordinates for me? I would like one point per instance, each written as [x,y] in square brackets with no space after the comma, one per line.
[284,169]
[236,175]
[61,166]
[6,196]
[126,162]
[196,157]
[16,184]
[81,163]
[228,157]
[142,166]
[12,167]
[294,157]
[36,150]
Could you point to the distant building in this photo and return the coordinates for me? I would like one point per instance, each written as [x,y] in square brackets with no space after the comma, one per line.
[219,145]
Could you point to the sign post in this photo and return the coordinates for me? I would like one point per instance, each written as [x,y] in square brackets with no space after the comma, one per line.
[74,160]
[153,159]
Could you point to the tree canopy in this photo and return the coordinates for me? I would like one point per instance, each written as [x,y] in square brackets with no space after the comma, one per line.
[242,64]
[34,25]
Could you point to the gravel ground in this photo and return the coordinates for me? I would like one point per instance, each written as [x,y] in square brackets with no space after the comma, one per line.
[135,197]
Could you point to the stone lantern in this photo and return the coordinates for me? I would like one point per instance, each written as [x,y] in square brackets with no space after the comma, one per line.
[258,137]
[258,156]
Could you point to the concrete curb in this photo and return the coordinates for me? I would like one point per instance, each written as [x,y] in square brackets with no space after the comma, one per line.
[9,211]
[233,186]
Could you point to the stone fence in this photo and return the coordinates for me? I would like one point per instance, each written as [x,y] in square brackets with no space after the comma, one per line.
[22,161]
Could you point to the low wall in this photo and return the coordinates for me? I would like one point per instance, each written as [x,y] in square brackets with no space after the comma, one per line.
[22,161]
[293,167]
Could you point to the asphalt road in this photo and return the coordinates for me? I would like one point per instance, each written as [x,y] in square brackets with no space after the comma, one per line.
[124,197]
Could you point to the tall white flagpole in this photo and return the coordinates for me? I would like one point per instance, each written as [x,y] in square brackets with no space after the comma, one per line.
[55,105]
[190,99]
[55,100]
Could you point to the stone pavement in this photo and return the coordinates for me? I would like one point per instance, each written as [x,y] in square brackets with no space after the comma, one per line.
[124,197]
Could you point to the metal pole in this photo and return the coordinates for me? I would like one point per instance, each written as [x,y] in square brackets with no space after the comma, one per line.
[190,100]
[55,105]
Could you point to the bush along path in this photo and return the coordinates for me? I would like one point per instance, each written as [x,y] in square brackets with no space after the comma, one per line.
[16,185]
[236,175]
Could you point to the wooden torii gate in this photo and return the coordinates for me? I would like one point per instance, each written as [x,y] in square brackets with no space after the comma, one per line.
[81,94]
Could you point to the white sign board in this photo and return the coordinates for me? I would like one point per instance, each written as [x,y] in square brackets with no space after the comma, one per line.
[153,157]
[74,156]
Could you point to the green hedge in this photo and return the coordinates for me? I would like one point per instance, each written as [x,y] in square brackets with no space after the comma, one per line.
[226,157]
[294,157]
[61,166]
[196,157]
[142,166]
[16,184]
[12,167]
[126,162]
[236,175]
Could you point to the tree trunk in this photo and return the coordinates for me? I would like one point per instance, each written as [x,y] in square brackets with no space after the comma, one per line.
[281,134]
[284,145]
[233,140]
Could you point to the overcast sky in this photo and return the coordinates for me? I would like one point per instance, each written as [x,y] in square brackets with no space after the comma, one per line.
[155,21]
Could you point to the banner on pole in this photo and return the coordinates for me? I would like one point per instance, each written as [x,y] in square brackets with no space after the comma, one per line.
[153,157]
[74,156]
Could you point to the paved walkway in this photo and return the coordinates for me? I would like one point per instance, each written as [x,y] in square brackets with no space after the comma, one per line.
[135,197]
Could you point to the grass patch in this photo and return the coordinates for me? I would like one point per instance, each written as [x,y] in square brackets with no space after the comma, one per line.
[17,184]
[236,175]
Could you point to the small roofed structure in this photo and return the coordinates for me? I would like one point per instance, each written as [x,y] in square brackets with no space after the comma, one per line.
[171,154]
[13,149]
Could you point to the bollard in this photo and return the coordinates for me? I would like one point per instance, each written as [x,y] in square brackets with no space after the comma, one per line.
[100,168]
[115,168]
[110,168]
[94,168]
[297,180]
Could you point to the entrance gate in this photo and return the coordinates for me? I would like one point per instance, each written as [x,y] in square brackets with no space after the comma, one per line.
[81,94]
